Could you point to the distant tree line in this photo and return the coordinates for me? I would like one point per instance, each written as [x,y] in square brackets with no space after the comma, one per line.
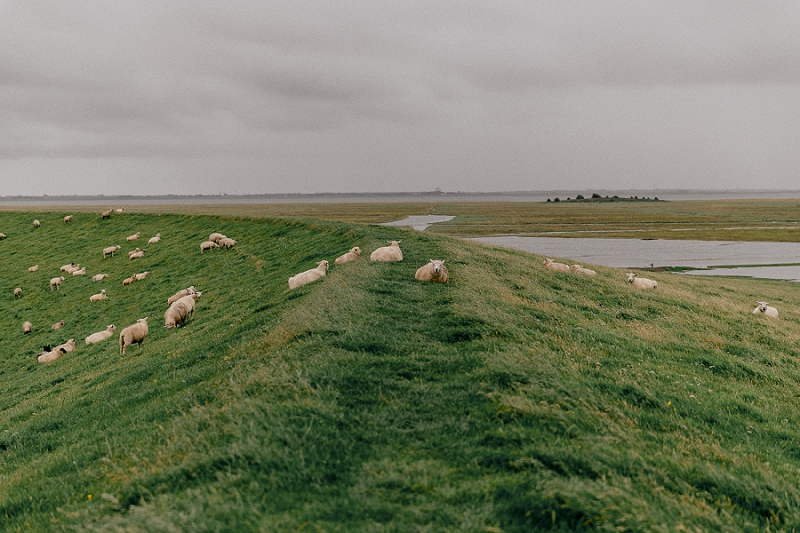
[597,198]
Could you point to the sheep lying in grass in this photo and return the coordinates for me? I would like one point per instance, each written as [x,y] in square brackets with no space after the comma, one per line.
[215,237]
[56,282]
[101,335]
[134,236]
[106,214]
[207,245]
[765,309]
[79,272]
[2,236]
[181,311]
[55,353]
[227,243]
[57,325]
[18,292]
[388,253]
[136,255]
[110,250]
[352,255]
[135,333]
[34,268]
[26,327]
[434,271]
[641,283]
[70,268]
[549,264]
[99,277]
[67,219]
[141,276]
[180,294]
[578,269]
[153,240]
[99,296]
[130,280]
[308,276]
[36,223]
[134,251]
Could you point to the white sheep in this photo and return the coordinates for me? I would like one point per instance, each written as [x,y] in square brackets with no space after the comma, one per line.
[180,311]
[26,327]
[765,309]
[56,282]
[578,269]
[215,237]
[207,245]
[388,253]
[227,243]
[70,268]
[153,240]
[308,276]
[134,236]
[352,255]
[55,353]
[36,223]
[136,255]
[549,264]
[79,272]
[57,325]
[18,292]
[134,251]
[34,268]
[641,283]
[101,335]
[130,280]
[180,294]
[141,276]
[110,250]
[135,333]
[67,219]
[106,214]
[99,277]
[2,236]
[434,271]
[99,296]
[119,210]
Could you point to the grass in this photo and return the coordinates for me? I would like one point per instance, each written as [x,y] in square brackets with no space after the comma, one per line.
[511,399]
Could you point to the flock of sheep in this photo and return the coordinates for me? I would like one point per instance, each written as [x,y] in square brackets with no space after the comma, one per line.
[181,305]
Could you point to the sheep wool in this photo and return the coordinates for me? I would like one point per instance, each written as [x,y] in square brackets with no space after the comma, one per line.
[133,334]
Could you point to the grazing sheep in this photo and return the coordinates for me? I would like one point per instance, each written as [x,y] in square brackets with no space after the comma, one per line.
[99,296]
[215,237]
[36,223]
[388,253]
[180,294]
[434,271]
[56,282]
[641,283]
[128,281]
[308,276]
[180,311]
[119,210]
[106,214]
[55,353]
[135,333]
[67,219]
[549,264]
[141,276]
[765,309]
[227,243]
[155,239]
[57,325]
[110,250]
[79,272]
[34,268]
[136,255]
[207,245]
[352,255]
[134,236]
[99,277]
[26,327]
[578,269]
[101,335]
[18,292]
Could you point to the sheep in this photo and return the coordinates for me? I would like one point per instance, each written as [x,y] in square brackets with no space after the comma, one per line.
[180,311]
[2,236]
[641,283]
[549,264]
[99,277]
[56,282]
[79,272]
[578,269]
[18,292]
[352,255]
[227,243]
[101,335]
[136,255]
[70,267]
[26,327]
[106,214]
[180,294]
[128,281]
[67,219]
[308,276]
[135,333]
[36,223]
[207,245]
[57,325]
[215,237]
[55,353]
[155,239]
[434,271]
[134,236]
[765,309]
[110,250]
[34,268]
[134,251]
[141,276]
[99,296]
[388,253]
[119,210]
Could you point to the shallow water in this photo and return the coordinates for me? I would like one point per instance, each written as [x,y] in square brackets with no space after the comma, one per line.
[419,222]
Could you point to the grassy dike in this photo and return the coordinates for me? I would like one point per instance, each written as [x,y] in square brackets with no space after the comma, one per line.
[512,399]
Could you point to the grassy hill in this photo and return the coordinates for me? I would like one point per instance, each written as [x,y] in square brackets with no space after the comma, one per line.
[512,399]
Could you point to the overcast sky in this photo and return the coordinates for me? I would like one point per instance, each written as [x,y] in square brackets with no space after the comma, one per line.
[187,97]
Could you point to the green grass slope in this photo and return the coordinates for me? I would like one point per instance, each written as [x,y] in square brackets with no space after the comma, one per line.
[511,399]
